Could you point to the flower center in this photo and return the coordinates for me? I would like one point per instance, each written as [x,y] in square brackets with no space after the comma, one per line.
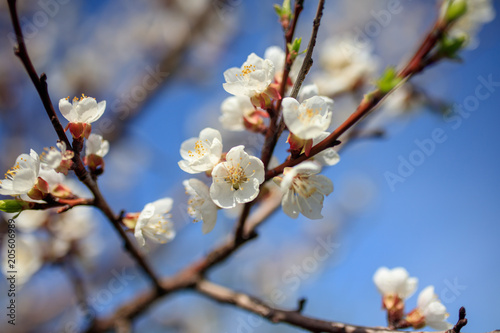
[303,187]
[236,176]
[306,116]
[199,150]
[160,227]
[246,70]
[10,174]
[76,99]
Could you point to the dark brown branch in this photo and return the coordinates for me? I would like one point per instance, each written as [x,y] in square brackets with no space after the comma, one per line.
[39,82]
[462,321]
[187,278]
[295,318]
[63,204]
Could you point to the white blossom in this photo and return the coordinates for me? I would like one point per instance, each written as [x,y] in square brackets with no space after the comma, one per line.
[96,145]
[236,180]
[345,64]
[153,222]
[52,177]
[83,110]
[304,190]
[251,79]
[202,153]
[234,111]
[23,176]
[307,119]
[396,282]
[429,312]
[201,207]
[28,259]
[58,158]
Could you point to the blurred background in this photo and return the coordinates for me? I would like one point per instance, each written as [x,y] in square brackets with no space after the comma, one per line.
[159,65]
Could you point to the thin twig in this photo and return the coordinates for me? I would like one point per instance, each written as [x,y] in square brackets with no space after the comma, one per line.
[308,62]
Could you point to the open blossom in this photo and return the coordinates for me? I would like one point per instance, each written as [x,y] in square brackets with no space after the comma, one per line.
[478,13]
[429,312]
[81,113]
[238,114]
[304,190]
[308,119]
[236,180]
[201,206]
[23,178]
[202,153]
[95,149]
[346,64]
[153,222]
[395,281]
[96,145]
[58,158]
[253,79]
[28,257]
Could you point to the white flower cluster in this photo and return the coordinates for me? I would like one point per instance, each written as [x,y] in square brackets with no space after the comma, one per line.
[236,176]
[396,286]
[31,177]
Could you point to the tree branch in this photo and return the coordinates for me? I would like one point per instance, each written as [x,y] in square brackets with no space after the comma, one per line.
[79,168]
[295,318]
[187,278]
[417,64]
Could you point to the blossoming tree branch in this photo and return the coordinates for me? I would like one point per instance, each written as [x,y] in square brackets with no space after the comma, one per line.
[269,96]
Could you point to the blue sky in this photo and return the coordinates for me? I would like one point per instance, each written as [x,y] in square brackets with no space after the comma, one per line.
[441,223]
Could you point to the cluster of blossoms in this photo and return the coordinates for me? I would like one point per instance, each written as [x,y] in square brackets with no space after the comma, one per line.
[236,176]
[396,286]
[40,178]
[31,178]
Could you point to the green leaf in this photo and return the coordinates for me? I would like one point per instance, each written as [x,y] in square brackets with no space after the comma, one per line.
[294,47]
[449,46]
[283,10]
[388,80]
